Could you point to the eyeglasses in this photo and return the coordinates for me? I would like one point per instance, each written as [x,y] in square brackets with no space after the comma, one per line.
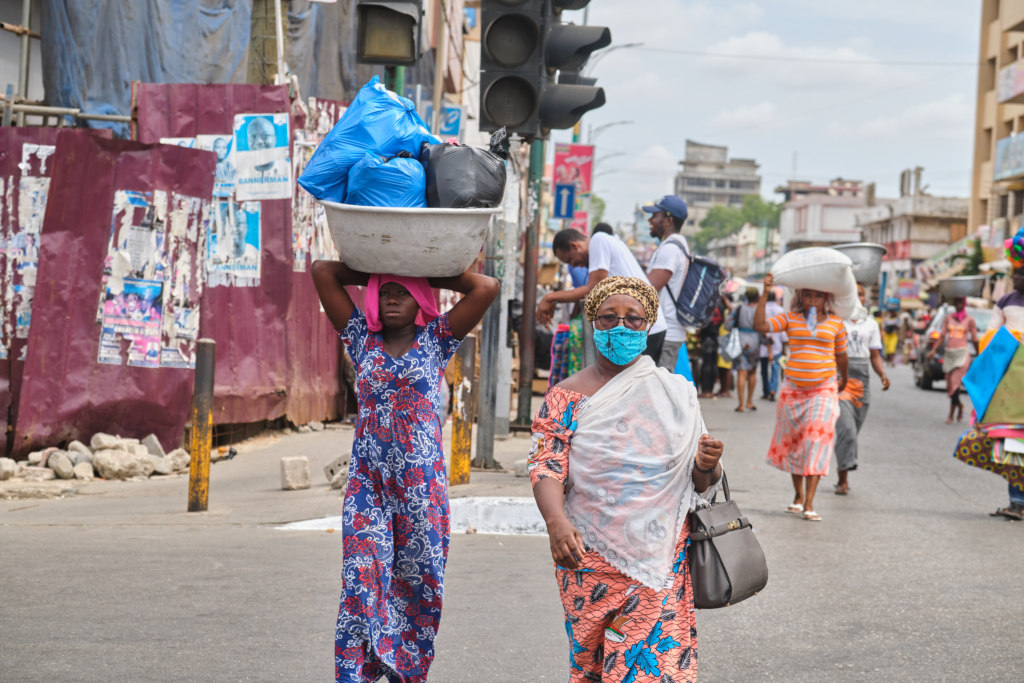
[633,322]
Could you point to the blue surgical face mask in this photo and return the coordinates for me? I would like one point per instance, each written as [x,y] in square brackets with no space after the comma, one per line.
[620,344]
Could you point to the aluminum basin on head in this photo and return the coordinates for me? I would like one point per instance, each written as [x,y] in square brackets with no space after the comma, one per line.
[962,286]
[867,260]
[409,242]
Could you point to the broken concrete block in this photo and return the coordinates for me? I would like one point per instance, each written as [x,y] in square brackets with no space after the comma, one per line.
[31,473]
[521,468]
[152,444]
[101,441]
[179,458]
[79,457]
[161,465]
[8,468]
[118,464]
[47,452]
[340,480]
[61,464]
[316,426]
[138,449]
[304,429]
[84,471]
[294,473]
[35,458]
[79,447]
[339,464]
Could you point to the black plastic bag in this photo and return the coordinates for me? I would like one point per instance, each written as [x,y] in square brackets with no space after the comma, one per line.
[465,177]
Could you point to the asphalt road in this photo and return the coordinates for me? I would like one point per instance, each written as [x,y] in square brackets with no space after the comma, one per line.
[907,578]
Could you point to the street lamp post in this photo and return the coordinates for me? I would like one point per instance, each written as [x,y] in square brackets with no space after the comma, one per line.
[592,133]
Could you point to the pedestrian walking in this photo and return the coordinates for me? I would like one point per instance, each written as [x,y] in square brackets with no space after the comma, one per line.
[604,256]
[667,271]
[708,336]
[957,328]
[891,337]
[746,365]
[808,405]
[1009,313]
[772,347]
[864,348]
[620,458]
[396,520]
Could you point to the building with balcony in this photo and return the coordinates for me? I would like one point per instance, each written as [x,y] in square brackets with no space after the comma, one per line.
[913,228]
[709,178]
[997,182]
[820,215]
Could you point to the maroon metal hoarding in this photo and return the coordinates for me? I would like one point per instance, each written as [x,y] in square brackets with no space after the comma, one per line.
[66,393]
[277,355]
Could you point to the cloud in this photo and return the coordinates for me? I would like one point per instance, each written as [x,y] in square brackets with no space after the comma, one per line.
[818,69]
[763,115]
[947,120]
[948,16]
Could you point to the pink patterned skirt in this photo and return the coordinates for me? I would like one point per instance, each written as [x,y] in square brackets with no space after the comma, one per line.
[805,429]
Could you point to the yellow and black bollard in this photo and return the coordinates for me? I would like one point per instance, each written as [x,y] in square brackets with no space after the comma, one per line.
[202,427]
[463,395]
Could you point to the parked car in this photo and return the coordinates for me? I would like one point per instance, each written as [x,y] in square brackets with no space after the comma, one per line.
[928,371]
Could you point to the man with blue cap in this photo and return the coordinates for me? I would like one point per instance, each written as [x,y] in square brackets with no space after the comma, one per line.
[667,270]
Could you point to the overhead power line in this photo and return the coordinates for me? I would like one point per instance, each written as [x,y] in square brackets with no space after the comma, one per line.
[814,60]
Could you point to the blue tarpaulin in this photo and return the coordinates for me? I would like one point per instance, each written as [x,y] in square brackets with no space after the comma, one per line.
[92,50]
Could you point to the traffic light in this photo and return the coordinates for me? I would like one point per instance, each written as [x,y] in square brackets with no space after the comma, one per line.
[389,32]
[524,45]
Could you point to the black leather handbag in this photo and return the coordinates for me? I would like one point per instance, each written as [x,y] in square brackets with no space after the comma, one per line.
[727,564]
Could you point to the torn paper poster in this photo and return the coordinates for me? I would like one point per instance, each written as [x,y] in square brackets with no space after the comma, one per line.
[32,193]
[226,174]
[137,234]
[133,311]
[22,310]
[33,159]
[262,156]
[180,142]
[233,242]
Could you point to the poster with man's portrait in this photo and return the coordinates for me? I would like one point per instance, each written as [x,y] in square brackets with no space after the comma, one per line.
[133,311]
[262,157]
[226,174]
[233,244]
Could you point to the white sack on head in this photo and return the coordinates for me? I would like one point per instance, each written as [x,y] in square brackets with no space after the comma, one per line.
[822,269]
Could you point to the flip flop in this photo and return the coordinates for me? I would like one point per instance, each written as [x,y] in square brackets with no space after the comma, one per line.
[842,493]
[737,410]
[751,407]
[812,516]
[1009,513]
[795,509]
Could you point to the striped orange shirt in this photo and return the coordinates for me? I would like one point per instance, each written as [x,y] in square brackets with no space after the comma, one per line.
[812,358]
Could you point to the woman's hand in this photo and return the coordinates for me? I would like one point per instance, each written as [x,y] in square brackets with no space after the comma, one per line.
[769,281]
[885,383]
[566,543]
[709,452]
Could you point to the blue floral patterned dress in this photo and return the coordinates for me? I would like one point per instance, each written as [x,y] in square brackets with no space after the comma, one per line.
[396,523]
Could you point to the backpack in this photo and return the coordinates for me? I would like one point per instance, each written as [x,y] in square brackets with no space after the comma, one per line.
[699,295]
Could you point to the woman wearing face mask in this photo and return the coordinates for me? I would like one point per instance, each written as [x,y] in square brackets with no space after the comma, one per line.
[957,328]
[808,404]
[620,457]
[396,523]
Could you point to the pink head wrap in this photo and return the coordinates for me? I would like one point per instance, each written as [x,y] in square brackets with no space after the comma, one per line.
[417,286]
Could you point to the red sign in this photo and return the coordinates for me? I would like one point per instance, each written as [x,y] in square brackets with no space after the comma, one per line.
[574,166]
[897,250]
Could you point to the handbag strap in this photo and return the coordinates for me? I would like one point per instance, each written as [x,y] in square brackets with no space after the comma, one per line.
[725,487]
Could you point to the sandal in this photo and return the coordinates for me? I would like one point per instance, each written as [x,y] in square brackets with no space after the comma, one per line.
[812,516]
[840,492]
[738,410]
[795,508]
[1010,513]
[751,407]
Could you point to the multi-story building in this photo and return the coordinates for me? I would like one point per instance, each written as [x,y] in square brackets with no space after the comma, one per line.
[748,253]
[820,215]
[912,228]
[709,178]
[997,183]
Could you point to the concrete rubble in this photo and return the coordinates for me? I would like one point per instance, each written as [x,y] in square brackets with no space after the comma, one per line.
[61,464]
[118,464]
[84,471]
[152,445]
[295,473]
[8,468]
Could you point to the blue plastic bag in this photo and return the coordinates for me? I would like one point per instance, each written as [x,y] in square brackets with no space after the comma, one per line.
[375,181]
[377,121]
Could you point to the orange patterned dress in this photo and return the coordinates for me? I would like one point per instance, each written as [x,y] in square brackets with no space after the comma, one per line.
[619,629]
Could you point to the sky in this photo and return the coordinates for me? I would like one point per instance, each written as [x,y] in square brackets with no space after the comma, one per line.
[908,101]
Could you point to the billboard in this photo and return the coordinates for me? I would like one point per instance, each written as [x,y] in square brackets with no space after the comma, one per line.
[574,166]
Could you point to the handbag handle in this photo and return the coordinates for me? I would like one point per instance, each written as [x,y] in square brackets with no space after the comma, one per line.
[725,487]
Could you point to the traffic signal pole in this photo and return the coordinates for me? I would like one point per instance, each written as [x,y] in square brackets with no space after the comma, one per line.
[528,328]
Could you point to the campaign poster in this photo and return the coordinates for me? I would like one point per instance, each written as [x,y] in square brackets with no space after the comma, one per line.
[226,174]
[180,142]
[262,157]
[233,243]
[133,311]
[574,166]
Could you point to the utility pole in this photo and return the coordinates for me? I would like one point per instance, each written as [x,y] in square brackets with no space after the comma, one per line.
[528,329]
[489,339]
[439,59]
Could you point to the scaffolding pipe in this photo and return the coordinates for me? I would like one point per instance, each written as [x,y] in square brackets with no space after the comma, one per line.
[281,78]
[42,110]
[26,20]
